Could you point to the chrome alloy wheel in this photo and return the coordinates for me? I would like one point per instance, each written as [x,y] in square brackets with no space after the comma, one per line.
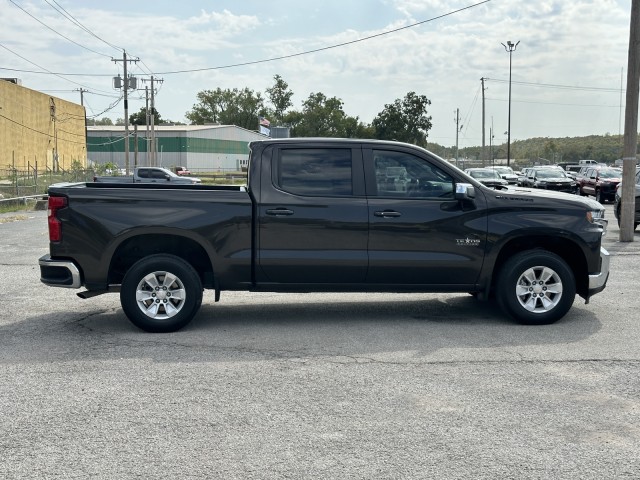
[539,289]
[160,295]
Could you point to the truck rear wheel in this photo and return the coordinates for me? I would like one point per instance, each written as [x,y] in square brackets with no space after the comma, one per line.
[536,287]
[161,293]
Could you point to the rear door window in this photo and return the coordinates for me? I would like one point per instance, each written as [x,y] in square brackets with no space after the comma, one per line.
[314,171]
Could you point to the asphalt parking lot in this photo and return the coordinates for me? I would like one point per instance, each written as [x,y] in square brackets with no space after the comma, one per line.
[316,385]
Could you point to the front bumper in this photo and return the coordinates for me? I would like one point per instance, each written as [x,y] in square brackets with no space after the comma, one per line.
[59,273]
[597,281]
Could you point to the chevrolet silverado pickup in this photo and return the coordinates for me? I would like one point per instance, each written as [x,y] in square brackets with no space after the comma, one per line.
[328,215]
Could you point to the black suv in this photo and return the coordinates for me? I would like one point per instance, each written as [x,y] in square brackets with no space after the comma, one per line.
[617,205]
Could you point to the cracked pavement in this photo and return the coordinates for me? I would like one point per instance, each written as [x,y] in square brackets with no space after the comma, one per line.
[264,385]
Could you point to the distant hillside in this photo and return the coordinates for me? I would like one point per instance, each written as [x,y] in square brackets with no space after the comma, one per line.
[602,148]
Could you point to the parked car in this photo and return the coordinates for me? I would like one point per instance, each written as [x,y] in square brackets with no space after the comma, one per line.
[550,178]
[507,173]
[487,176]
[618,202]
[601,182]
[523,175]
[182,171]
[570,169]
[580,175]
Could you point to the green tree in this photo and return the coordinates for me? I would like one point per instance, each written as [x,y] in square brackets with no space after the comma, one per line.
[404,120]
[323,117]
[228,107]
[102,121]
[140,118]
[280,97]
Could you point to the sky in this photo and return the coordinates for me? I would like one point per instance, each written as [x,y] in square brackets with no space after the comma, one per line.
[568,70]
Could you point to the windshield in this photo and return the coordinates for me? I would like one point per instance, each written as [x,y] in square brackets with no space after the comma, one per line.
[484,174]
[550,174]
[609,173]
[507,170]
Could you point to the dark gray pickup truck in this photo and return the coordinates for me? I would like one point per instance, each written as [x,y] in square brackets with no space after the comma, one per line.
[326,215]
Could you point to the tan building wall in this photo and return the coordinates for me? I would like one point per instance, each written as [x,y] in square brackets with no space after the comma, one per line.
[34,126]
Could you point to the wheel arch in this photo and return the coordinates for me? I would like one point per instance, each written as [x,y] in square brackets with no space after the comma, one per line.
[139,245]
[565,248]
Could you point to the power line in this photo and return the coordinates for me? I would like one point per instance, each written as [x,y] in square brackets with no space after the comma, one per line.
[293,55]
[552,85]
[76,22]
[343,44]
[56,32]
[32,63]
[57,73]
[47,134]
[554,103]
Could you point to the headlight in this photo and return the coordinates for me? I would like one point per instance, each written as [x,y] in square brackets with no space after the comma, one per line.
[597,216]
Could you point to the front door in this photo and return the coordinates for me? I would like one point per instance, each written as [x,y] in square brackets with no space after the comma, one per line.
[419,233]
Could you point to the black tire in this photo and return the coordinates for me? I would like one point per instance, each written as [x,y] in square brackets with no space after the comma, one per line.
[599,197]
[536,287]
[161,293]
[635,224]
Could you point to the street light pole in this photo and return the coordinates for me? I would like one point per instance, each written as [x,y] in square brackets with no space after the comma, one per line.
[509,47]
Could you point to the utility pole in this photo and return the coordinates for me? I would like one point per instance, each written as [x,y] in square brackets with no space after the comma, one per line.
[483,156]
[631,127]
[126,86]
[509,47]
[458,128]
[86,137]
[153,131]
[146,123]
[151,117]
[135,145]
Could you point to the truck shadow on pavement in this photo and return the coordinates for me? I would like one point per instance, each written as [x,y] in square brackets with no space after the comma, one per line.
[414,326]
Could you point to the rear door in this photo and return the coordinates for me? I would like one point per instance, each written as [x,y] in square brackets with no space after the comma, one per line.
[312,214]
[419,233]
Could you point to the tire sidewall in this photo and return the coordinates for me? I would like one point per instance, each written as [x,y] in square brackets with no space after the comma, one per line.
[169,263]
[511,272]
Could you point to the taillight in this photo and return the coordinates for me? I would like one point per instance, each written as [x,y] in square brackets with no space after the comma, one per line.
[55,226]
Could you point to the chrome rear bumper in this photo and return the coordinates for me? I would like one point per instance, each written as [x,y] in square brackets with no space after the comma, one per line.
[59,273]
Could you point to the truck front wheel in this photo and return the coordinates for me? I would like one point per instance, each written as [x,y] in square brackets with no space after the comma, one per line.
[536,287]
[161,293]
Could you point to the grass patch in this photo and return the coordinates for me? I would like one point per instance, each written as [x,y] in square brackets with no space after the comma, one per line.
[11,207]
[12,218]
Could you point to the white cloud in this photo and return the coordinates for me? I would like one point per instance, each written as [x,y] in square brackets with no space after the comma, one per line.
[581,43]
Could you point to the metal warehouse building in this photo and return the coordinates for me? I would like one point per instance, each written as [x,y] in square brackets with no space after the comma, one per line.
[198,147]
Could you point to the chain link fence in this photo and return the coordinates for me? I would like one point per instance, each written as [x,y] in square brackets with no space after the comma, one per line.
[16,183]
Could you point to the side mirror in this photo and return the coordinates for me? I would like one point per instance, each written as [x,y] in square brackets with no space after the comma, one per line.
[167,178]
[465,191]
